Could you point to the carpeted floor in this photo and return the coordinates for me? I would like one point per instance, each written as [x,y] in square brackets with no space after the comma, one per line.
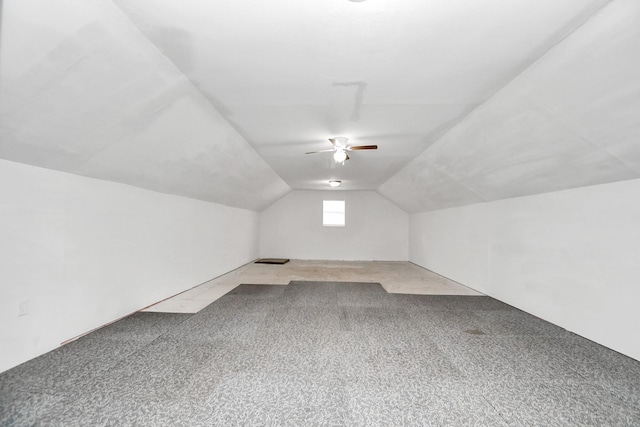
[323,353]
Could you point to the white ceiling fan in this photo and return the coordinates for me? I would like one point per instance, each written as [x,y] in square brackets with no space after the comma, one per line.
[340,148]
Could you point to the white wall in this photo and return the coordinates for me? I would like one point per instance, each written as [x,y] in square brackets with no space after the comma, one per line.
[570,257]
[375,228]
[85,252]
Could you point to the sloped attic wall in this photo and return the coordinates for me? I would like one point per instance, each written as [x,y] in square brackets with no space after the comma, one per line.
[569,257]
[83,91]
[570,120]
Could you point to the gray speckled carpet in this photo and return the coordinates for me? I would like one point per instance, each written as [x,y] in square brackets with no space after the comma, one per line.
[318,353]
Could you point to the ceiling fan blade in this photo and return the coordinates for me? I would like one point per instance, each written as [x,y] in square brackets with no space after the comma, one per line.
[321,151]
[362,147]
[332,141]
[347,158]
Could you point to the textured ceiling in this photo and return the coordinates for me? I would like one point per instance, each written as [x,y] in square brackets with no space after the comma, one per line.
[468,100]
[83,91]
[572,119]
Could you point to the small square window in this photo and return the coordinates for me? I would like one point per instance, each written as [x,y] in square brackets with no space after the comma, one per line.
[333,213]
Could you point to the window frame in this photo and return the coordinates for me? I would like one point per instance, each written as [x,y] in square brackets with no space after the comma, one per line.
[329,210]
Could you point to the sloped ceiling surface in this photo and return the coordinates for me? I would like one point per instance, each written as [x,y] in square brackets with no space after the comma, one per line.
[572,119]
[84,91]
[398,74]
[468,100]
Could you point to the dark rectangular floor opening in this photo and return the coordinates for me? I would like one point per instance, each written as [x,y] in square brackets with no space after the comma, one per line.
[271,261]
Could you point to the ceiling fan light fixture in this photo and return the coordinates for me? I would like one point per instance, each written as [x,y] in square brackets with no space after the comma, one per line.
[335,183]
[340,155]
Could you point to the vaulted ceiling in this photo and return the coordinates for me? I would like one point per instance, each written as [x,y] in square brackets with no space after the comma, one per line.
[468,101]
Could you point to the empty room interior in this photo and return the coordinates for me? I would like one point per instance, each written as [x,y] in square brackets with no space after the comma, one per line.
[452,189]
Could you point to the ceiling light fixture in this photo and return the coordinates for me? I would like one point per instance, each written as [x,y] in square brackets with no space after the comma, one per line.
[340,155]
[335,183]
